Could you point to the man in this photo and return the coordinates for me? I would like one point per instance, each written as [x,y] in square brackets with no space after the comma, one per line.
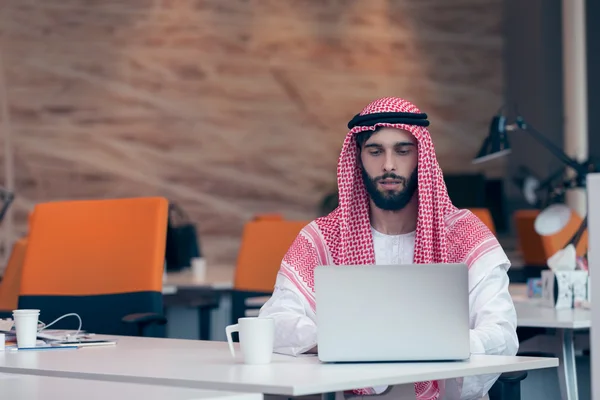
[394,209]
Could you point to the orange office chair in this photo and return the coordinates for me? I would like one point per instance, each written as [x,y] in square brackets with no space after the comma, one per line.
[268,217]
[486,217]
[264,243]
[530,243]
[101,259]
[11,280]
[555,240]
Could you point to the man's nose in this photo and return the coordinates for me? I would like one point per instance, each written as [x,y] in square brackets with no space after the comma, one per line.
[389,165]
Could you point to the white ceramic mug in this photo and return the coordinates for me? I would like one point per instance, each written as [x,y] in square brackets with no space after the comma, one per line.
[256,339]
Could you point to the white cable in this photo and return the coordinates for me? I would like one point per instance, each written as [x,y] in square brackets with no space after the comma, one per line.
[44,326]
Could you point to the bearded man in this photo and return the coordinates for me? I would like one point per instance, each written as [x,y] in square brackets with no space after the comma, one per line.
[393,210]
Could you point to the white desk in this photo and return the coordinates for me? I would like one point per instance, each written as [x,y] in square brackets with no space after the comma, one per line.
[28,387]
[209,365]
[218,277]
[530,314]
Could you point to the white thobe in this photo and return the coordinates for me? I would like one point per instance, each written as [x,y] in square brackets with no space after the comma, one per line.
[493,318]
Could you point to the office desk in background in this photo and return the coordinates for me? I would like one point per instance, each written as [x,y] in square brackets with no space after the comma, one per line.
[209,365]
[186,297]
[565,323]
[217,277]
[29,387]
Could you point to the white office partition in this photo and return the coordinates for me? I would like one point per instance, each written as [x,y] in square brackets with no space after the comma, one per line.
[593,192]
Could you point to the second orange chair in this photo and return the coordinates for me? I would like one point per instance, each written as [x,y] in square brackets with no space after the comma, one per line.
[264,244]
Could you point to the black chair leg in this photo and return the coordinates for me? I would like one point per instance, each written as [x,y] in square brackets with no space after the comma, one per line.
[204,322]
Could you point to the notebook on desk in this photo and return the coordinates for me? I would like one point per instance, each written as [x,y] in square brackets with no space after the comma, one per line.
[377,313]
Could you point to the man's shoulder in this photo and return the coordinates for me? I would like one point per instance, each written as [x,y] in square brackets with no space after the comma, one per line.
[471,239]
[463,221]
[327,223]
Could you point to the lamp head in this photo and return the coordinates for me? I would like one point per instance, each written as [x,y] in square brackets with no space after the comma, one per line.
[552,219]
[528,184]
[496,143]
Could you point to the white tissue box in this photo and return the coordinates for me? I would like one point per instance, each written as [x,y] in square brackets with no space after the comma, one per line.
[589,291]
[564,289]
[579,284]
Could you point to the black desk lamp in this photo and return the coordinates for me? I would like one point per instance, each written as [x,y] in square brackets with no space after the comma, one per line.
[496,145]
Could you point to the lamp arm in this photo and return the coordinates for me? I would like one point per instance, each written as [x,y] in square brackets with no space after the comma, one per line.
[548,181]
[577,236]
[6,198]
[579,168]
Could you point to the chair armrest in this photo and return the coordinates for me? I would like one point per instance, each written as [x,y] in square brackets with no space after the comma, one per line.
[512,377]
[508,386]
[144,319]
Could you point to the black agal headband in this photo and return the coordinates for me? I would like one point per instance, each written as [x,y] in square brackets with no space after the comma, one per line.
[419,119]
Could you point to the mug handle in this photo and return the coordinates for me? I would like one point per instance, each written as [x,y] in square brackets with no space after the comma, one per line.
[228,331]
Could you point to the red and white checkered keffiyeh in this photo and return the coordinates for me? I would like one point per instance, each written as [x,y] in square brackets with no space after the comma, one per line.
[444,233]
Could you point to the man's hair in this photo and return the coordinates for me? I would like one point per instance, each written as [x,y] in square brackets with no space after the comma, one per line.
[363,136]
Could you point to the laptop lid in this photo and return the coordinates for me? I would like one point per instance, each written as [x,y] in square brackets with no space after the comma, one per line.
[414,312]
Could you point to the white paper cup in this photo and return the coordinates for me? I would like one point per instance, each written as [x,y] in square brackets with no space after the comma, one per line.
[26,323]
[199,267]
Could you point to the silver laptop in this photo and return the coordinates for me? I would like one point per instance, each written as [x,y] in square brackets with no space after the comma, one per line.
[392,312]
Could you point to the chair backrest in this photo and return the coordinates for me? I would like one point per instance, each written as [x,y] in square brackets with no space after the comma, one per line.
[264,243]
[486,217]
[11,279]
[559,240]
[268,217]
[529,242]
[100,258]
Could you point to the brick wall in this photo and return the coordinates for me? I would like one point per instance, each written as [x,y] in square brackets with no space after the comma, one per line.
[235,107]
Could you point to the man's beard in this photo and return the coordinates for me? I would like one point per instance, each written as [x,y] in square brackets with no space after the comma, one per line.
[391,200]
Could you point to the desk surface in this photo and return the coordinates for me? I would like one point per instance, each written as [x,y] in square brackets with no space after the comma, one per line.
[29,387]
[532,315]
[209,365]
[218,277]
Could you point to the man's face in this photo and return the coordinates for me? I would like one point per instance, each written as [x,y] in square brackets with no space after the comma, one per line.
[389,167]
